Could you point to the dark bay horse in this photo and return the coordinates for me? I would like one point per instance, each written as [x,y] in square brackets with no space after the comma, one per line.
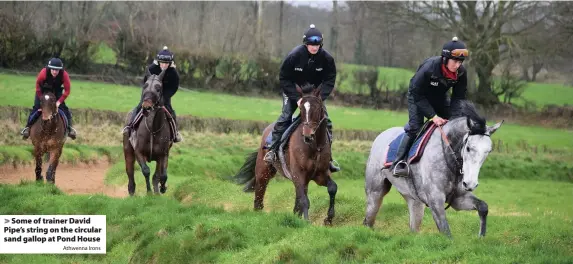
[307,157]
[48,135]
[447,172]
[151,139]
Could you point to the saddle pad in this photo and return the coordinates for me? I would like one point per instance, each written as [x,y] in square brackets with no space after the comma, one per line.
[416,150]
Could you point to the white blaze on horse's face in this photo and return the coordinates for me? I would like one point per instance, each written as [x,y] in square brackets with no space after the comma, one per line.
[307,107]
[47,97]
[474,153]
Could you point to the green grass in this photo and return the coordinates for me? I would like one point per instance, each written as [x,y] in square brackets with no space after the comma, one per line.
[546,94]
[204,218]
[71,153]
[204,104]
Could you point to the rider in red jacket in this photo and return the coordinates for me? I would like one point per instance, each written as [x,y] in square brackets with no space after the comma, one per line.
[52,78]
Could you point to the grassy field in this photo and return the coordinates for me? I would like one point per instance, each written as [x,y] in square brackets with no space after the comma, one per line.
[203,218]
[203,104]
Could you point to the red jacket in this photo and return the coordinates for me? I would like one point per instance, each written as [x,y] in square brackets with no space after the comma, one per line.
[45,79]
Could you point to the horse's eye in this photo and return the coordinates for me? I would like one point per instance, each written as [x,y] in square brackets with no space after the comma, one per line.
[468,149]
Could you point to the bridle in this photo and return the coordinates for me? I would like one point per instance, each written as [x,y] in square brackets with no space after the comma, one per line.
[458,159]
[307,123]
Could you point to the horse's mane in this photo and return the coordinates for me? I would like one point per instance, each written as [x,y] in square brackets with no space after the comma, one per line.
[467,109]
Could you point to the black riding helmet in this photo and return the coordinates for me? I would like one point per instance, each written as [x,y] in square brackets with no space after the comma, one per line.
[55,63]
[165,56]
[312,36]
[454,49]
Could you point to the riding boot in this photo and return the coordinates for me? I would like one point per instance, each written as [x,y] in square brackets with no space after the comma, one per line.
[333,168]
[178,137]
[273,146]
[127,129]
[399,167]
[72,133]
[31,119]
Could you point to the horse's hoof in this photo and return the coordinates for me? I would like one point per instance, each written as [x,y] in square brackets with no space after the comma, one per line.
[328,222]
[163,189]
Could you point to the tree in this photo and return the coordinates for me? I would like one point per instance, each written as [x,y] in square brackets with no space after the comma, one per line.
[487,27]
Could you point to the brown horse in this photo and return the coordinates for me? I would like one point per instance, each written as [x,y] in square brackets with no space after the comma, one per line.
[48,136]
[307,157]
[151,140]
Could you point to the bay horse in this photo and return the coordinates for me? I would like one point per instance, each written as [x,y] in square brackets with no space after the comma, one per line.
[447,171]
[306,158]
[151,140]
[48,135]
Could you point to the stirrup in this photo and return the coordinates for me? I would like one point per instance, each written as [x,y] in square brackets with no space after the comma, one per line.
[399,174]
[270,157]
[333,167]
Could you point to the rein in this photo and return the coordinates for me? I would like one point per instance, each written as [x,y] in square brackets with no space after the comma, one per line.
[319,123]
[153,108]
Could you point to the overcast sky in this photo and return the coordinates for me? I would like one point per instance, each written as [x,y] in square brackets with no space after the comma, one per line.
[324,4]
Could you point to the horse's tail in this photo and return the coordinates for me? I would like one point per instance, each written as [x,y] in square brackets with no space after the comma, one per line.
[246,174]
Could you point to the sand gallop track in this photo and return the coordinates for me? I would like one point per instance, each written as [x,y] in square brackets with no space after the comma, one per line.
[72,179]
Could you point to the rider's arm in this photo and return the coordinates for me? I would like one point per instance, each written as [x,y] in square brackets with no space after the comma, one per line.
[286,78]
[459,93]
[173,84]
[417,84]
[329,78]
[67,86]
[39,80]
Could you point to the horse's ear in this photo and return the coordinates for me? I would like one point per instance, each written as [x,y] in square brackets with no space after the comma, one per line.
[316,91]
[298,89]
[490,130]
[147,72]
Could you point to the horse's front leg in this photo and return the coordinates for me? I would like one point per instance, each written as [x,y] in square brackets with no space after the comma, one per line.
[302,203]
[144,169]
[54,161]
[439,214]
[163,175]
[156,176]
[38,158]
[468,201]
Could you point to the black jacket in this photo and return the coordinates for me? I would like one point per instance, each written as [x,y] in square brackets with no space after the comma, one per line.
[299,67]
[429,87]
[170,81]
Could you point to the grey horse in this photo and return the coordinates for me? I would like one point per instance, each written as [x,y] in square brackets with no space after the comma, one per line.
[447,172]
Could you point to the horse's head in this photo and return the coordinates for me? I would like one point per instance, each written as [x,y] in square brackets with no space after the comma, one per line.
[476,145]
[152,93]
[311,110]
[48,106]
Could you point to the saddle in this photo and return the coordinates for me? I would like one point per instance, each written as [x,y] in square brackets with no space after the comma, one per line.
[34,118]
[286,135]
[416,150]
[171,121]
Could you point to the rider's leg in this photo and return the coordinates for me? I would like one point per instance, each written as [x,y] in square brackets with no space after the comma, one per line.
[333,168]
[31,118]
[129,126]
[178,137]
[285,119]
[71,130]
[415,122]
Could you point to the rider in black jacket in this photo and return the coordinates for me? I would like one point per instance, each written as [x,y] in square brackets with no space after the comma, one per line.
[163,61]
[311,63]
[427,95]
